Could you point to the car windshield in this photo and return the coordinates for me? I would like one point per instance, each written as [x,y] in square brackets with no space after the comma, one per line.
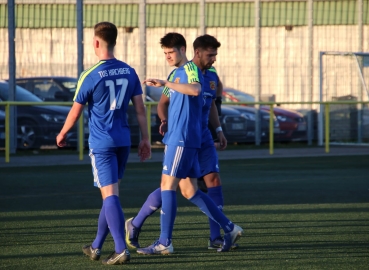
[239,96]
[21,94]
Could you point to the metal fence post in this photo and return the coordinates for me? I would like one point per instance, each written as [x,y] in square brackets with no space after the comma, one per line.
[11,111]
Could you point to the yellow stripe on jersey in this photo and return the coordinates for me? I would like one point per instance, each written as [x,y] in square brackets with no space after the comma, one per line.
[192,72]
[170,78]
[212,69]
[84,75]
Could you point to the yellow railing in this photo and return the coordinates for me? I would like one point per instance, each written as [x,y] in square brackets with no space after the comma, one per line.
[148,114]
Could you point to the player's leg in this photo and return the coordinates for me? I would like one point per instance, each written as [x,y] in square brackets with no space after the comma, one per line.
[133,225]
[109,165]
[177,163]
[208,160]
[207,206]
[167,217]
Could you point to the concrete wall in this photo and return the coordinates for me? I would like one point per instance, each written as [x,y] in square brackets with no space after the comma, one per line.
[284,56]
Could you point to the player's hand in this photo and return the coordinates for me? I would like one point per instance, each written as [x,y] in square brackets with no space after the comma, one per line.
[154,82]
[222,140]
[61,140]
[163,128]
[144,150]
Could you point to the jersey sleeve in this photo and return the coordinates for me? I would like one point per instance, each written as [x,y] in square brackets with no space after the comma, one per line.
[137,88]
[170,78]
[84,89]
[192,72]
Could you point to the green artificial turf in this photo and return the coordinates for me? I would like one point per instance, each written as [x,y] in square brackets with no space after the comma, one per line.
[297,213]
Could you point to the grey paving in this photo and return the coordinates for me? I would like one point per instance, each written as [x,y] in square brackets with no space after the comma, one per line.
[62,159]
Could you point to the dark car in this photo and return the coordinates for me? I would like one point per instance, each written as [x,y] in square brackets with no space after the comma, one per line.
[50,88]
[37,125]
[292,124]
[250,114]
[234,125]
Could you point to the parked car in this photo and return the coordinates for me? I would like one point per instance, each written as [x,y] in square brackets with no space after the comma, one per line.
[234,125]
[250,114]
[37,125]
[49,88]
[292,124]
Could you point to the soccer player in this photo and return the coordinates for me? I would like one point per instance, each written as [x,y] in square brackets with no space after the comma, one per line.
[208,157]
[108,87]
[182,142]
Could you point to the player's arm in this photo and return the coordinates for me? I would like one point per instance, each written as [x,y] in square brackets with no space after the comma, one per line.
[71,120]
[215,123]
[163,106]
[144,148]
[191,89]
[219,95]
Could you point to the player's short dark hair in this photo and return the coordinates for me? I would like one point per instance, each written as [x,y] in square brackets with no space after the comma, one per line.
[173,40]
[206,42]
[107,32]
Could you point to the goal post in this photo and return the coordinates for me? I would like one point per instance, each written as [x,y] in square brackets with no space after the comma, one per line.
[344,76]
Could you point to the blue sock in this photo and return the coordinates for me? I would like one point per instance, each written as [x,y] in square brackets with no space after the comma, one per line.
[167,216]
[115,219]
[206,205]
[216,194]
[102,230]
[153,203]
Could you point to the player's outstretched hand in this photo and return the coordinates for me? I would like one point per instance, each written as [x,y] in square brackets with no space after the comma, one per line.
[154,82]
[60,140]
[222,141]
[144,150]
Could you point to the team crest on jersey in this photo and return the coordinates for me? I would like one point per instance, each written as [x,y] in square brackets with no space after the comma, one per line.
[212,85]
[177,80]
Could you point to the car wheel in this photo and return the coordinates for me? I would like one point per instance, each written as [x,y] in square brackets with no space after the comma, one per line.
[28,136]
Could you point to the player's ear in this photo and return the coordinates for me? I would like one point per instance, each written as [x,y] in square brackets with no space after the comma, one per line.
[197,53]
[95,42]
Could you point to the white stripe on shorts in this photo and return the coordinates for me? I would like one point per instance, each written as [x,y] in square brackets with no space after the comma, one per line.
[94,169]
[177,159]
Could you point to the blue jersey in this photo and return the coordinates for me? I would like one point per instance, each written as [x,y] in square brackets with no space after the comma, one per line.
[209,87]
[108,88]
[211,81]
[184,112]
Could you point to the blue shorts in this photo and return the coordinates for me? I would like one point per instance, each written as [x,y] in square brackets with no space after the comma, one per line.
[108,164]
[208,159]
[181,162]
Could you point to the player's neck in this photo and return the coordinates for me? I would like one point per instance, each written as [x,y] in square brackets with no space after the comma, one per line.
[182,62]
[198,65]
[105,55]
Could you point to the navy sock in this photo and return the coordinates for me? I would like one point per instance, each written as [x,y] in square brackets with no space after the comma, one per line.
[167,216]
[102,230]
[206,205]
[216,194]
[152,203]
[115,219]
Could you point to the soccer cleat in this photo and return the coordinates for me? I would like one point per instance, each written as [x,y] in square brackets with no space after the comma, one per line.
[115,258]
[231,238]
[93,253]
[218,243]
[132,234]
[156,248]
